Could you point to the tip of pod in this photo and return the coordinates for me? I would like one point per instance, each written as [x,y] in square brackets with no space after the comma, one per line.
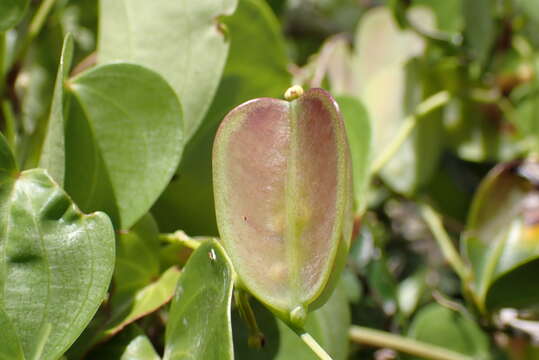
[298,315]
[294,92]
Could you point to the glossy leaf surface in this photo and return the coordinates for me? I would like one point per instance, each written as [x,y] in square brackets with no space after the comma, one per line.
[199,325]
[123,140]
[282,186]
[501,240]
[184,41]
[256,67]
[11,12]
[57,262]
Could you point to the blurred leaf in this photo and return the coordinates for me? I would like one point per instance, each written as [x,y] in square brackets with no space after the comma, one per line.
[11,12]
[383,284]
[379,44]
[123,140]
[449,17]
[10,347]
[199,325]
[328,325]
[437,325]
[501,238]
[480,28]
[58,262]
[184,41]
[410,290]
[140,348]
[53,154]
[359,137]
[256,67]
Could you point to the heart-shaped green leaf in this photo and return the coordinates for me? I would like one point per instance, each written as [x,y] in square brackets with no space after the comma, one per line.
[123,139]
[256,67]
[11,12]
[501,240]
[282,187]
[183,40]
[56,262]
[199,325]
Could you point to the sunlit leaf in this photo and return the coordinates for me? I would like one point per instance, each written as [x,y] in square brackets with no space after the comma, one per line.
[57,262]
[256,67]
[184,41]
[199,325]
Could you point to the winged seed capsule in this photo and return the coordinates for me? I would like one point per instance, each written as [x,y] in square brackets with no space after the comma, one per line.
[282,183]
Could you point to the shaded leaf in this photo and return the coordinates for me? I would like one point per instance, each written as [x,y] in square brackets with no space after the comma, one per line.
[199,321]
[123,141]
[184,41]
[10,347]
[11,12]
[56,261]
[479,29]
[328,325]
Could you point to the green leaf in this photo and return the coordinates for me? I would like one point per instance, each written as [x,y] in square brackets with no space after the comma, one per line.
[53,153]
[199,324]
[128,307]
[11,12]
[10,347]
[123,140]
[256,67]
[501,240]
[358,129]
[437,325]
[479,28]
[56,263]
[140,348]
[328,325]
[184,41]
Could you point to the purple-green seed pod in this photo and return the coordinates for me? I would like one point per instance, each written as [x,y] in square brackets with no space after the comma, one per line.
[283,196]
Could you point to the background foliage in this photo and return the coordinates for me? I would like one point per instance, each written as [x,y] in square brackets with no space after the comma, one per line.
[111,107]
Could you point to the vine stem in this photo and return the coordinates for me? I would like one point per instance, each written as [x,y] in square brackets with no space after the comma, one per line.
[314,346]
[35,26]
[434,222]
[384,339]
[410,122]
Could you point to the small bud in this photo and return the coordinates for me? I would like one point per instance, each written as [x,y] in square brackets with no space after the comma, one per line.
[294,92]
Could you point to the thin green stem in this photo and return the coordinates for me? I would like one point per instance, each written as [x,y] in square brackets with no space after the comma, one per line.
[434,222]
[180,237]
[314,346]
[9,118]
[3,61]
[384,339]
[410,122]
[256,337]
[35,27]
